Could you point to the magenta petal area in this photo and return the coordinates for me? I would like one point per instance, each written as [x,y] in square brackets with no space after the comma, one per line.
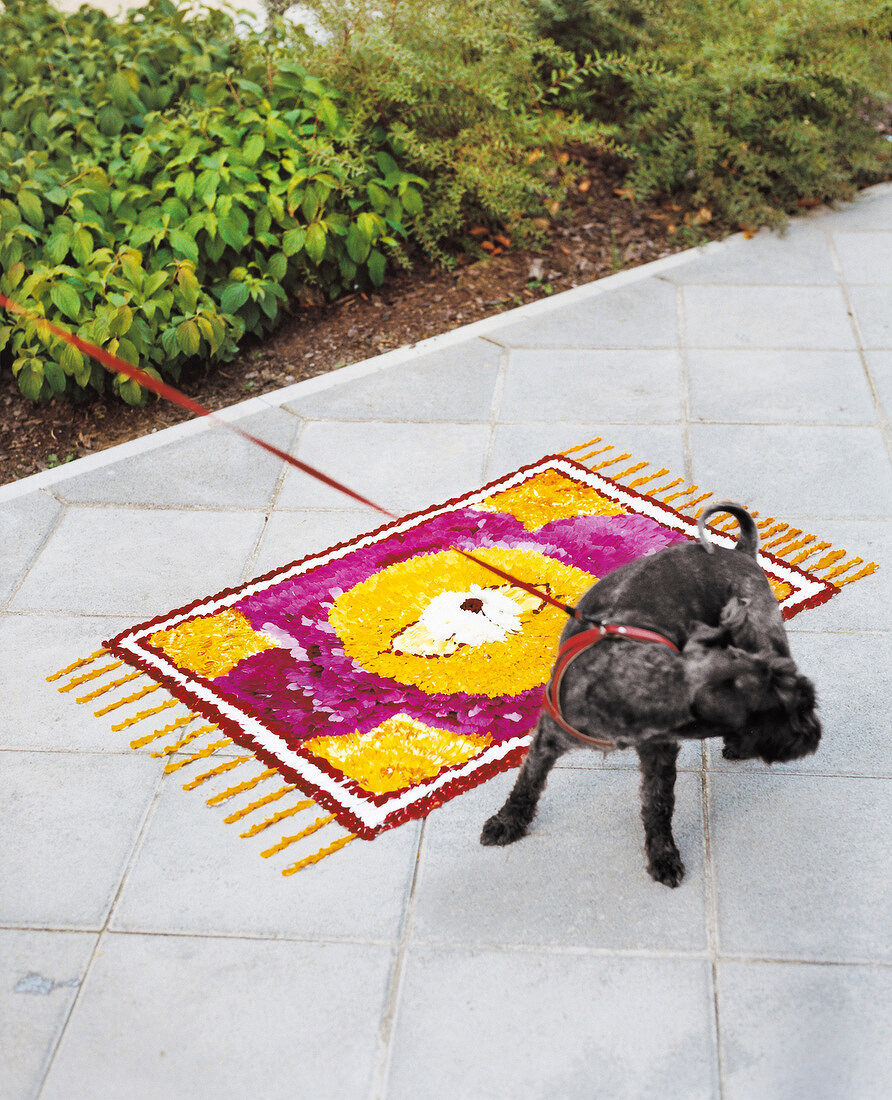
[312,688]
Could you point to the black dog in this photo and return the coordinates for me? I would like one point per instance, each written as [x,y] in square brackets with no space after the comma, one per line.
[724,670]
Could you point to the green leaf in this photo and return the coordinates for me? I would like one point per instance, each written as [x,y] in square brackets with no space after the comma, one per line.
[57,247]
[127,351]
[183,245]
[206,186]
[389,168]
[72,361]
[188,337]
[278,265]
[367,226]
[31,207]
[66,299]
[184,185]
[154,282]
[30,378]
[412,201]
[293,241]
[132,267]
[139,159]
[253,147]
[327,112]
[121,321]
[110,120]
[132,392]
[358,245]
[377,265]
[234,228]
[82,245]
[55,376]
[315,243]
[15,275]
[234,297]
[309,204]
[119,90]
[378,196]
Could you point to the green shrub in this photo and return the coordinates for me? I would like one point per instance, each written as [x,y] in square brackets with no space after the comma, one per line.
[747,106]
[465,91]
[165,185]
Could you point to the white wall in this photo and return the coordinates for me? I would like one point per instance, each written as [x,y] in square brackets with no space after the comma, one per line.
[113,7]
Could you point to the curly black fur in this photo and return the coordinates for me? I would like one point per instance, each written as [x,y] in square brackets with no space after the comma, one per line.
[733,678]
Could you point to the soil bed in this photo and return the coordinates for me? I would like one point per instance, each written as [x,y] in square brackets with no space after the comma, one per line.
[597,233]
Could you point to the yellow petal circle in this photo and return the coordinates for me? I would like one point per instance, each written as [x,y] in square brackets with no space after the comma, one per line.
[376,611]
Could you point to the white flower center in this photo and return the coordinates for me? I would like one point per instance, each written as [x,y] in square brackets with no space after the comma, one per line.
[452,619]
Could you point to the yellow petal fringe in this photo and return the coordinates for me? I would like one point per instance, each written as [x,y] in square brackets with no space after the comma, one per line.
[273,796]
[275,818]
[787,544]
[318,824]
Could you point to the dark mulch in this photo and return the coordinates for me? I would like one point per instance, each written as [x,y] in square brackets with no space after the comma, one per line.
[597,233]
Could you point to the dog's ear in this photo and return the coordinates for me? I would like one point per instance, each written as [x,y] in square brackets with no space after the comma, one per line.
[735,619]
[726,684]
[797,697]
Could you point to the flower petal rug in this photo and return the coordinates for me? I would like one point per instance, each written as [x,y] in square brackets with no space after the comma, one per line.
[388,674]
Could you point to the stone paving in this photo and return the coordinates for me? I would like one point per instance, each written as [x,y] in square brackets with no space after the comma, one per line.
[146,951]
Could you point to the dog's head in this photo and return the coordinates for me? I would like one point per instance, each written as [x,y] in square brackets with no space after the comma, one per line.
[757,699]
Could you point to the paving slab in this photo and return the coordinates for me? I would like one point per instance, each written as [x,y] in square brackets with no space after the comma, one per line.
[865,256]
[800,866]
[767,317]
[815,1031]
[524,1025]
[872,315]
[25,524]
[71,823]
[776,387]
[139,562]
[40,973]
[513,445]
[453,384]
[189,1017]
[179,884]
[577,879]
[784,469]
[434,462]
[879,366]
[212,469]
[34,714]
[616,386]
[291,535]
[643,315]
[801,254]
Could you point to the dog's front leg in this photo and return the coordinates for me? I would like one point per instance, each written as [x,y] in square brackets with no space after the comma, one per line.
[657,764]
[511,822]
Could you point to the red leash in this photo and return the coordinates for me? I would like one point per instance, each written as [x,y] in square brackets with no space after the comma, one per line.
[117,365]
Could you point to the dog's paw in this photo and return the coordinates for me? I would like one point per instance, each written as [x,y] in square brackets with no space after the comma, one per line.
[729,752]
[667,868]
[500,830]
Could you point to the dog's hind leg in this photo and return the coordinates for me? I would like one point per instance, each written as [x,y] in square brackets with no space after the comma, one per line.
[511,822]
[657,765]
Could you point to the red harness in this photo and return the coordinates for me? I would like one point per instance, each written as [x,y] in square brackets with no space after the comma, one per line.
[568,653]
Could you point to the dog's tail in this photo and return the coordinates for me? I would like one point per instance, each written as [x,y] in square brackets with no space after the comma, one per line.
[747,540]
